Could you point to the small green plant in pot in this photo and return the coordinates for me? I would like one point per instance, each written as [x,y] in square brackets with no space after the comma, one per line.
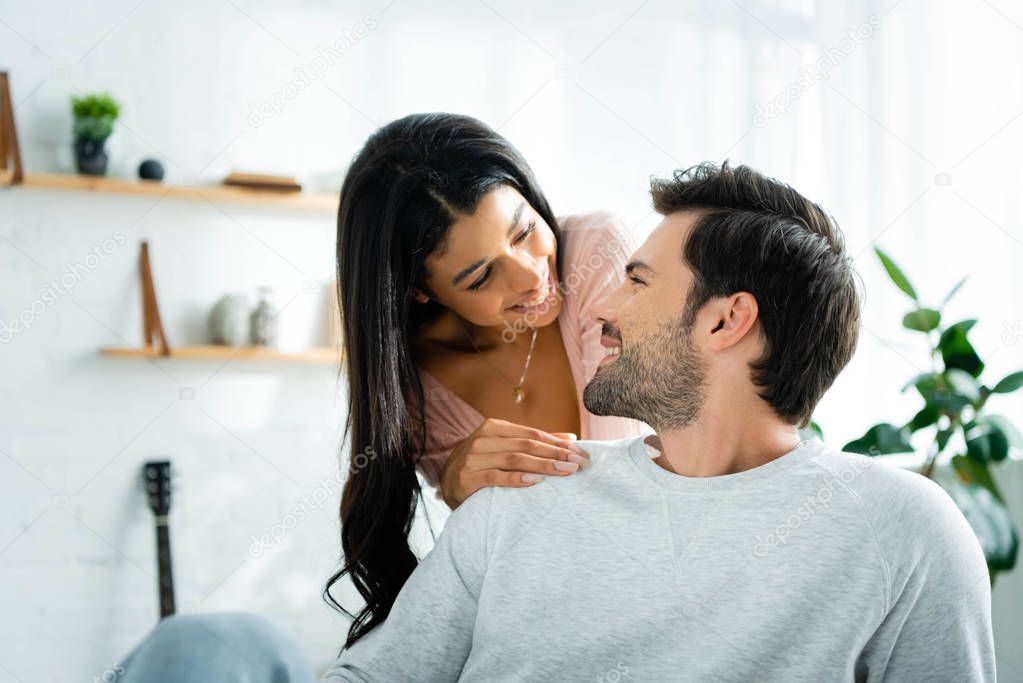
[94,117]
[956,422]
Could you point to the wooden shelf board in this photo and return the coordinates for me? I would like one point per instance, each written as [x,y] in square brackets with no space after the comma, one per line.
[324,203]
[220,352]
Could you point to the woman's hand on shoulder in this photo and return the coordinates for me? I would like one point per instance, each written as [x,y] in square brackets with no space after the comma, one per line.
[502,453]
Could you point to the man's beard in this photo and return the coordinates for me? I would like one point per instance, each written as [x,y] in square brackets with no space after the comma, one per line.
[659,380]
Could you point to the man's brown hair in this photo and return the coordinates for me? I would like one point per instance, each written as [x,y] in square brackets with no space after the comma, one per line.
[758,235]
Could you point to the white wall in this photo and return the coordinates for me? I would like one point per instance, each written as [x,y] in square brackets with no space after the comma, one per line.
[598,96]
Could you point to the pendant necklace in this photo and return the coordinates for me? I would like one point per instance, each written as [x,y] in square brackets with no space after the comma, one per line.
[519,394]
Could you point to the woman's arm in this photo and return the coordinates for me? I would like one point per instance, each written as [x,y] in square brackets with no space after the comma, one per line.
[502,453]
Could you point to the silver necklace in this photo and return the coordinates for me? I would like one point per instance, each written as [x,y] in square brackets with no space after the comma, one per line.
[519,394]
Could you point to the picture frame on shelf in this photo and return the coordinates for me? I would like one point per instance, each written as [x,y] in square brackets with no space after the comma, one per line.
[11,171]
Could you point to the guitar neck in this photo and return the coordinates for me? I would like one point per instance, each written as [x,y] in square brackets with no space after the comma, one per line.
[163,555]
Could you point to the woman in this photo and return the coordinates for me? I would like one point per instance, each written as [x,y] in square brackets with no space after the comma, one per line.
[468,340]
[468,343]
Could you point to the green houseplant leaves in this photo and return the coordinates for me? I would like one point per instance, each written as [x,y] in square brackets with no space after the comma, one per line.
[990,521]
[954,400]
[956,350]
[94,116]
[881,439]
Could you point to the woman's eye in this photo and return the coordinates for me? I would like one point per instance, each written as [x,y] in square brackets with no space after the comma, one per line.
[486,274]
[482,281]
[636,280]
[525,233]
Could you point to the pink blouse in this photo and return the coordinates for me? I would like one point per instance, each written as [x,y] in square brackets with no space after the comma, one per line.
[595,248]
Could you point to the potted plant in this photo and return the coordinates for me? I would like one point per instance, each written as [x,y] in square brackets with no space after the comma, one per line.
[94,117]
[956,422]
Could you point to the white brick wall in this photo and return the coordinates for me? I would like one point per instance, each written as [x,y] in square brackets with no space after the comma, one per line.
[77,560]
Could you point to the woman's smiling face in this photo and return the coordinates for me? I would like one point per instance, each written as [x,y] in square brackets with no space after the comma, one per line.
[499,266]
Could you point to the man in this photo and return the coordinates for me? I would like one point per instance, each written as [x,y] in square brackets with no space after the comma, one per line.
[723,548]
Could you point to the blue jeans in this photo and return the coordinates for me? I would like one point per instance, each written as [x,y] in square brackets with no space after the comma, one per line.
[226,648]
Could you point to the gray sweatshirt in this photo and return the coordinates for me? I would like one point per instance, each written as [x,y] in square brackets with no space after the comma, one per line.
[818,566]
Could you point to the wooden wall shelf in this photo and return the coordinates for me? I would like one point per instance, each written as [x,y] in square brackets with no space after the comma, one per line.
[219,352]
[322,203]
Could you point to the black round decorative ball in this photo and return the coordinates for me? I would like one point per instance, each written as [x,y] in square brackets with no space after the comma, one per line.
[151,169]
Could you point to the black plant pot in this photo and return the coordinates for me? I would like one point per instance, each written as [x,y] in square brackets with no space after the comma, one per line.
[90,157]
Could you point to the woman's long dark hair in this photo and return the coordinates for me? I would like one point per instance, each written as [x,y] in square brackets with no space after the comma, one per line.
[398,201]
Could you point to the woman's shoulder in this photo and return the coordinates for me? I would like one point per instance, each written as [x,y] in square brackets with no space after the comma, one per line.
[592,222]
[597,235]
[595,247]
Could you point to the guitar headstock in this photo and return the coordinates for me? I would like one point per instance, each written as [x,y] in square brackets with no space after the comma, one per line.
[156,476]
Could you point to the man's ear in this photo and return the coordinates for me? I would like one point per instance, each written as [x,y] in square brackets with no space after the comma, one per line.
[736,315]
